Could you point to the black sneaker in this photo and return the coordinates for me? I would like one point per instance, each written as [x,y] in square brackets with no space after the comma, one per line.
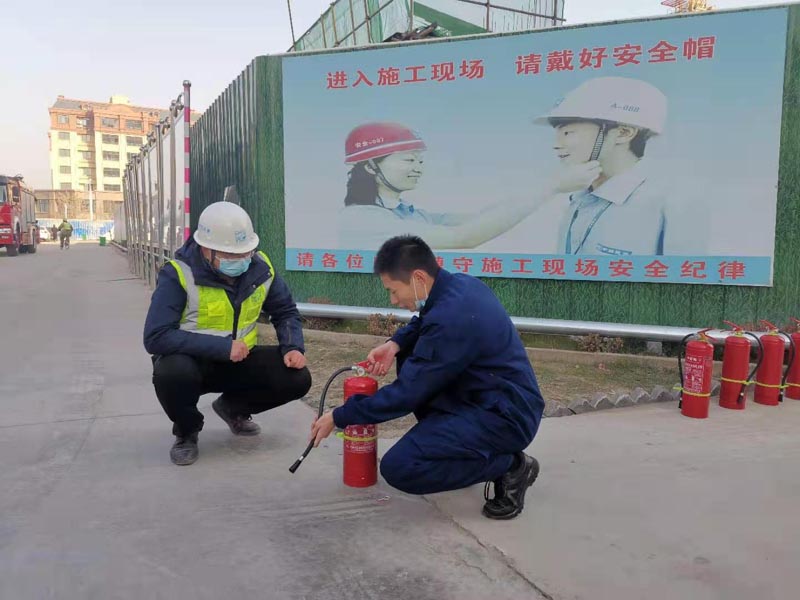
[509,490]
[239,424]
[184,451]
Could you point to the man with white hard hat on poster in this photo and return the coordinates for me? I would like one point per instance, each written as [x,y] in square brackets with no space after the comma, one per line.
[202,331]
[603,127]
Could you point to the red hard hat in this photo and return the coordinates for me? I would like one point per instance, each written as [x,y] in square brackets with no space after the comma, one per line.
[376,140]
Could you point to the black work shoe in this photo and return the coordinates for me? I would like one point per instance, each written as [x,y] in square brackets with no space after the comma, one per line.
[239,424]
[184,450]
[509,490]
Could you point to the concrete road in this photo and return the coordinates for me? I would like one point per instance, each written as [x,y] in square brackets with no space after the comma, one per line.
[637,503]
[643,503]
[91,507]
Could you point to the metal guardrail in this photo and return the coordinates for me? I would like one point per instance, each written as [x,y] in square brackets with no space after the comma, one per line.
[654,333]
[156,192]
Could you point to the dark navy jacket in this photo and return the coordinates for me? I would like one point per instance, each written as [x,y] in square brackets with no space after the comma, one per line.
[463,353]
[162,333]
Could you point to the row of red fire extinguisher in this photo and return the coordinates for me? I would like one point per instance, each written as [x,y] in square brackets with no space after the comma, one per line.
[776,371]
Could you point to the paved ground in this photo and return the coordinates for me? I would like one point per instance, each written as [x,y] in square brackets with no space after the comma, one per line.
[91,507]
[642,503]
[634,503]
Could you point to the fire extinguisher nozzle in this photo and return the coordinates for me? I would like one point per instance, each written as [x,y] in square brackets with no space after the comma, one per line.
[300,460]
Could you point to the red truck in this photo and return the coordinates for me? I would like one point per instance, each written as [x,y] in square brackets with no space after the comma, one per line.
[19,231]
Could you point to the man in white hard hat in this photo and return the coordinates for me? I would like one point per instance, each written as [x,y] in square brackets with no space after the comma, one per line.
[202,331]
[603,127]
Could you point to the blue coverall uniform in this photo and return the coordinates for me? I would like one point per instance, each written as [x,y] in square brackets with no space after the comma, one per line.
[464,373]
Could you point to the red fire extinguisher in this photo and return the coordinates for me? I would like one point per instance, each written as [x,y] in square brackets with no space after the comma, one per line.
[735,366]
[695,374]
[793,377]
[769,382]
[360,441]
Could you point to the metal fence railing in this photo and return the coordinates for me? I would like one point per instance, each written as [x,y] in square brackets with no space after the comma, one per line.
[156,192]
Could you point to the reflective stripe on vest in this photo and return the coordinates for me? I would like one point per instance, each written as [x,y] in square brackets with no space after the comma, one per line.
[209,311]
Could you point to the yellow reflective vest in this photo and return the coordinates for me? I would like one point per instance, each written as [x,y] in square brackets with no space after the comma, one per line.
[208,309]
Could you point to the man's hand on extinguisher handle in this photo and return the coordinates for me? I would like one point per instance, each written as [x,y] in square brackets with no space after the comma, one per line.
[380,359]
[322,428]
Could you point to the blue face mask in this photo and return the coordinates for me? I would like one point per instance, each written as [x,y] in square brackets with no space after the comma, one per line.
[420,304]
[233,267]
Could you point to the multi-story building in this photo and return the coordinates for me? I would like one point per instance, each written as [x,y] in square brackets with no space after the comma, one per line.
[91,142]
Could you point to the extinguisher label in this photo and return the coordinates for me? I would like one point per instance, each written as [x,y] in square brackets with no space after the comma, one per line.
[694,373]
[360,439]
[360,447]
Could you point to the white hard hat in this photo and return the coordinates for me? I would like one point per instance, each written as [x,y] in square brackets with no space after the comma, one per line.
[226,227]
[617,99]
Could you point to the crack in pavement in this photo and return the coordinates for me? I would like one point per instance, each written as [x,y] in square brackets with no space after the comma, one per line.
[492,549]
[464,562]
[76,419]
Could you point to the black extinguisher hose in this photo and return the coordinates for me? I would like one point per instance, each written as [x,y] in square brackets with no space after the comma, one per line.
[310,446]
[792,352]
[759,358]
[681,351]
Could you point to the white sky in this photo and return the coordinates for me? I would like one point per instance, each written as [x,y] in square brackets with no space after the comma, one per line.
[91,49]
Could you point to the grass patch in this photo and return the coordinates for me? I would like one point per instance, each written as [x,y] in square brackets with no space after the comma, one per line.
[564,382]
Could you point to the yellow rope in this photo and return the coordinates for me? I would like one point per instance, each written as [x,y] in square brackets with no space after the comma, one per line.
[348,438]
[740,381]
[771,385]
[677,387]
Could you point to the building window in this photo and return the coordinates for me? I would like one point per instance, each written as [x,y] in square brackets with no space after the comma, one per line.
[87,171]
[132,140]
[63,120]
[63,135]
[66,186]
[85,138]
[110,139]
[44,205]
[64,152]
[65,169]
[111,156]
[83,122]
[132,155]
[112,187]
[86,154]
[133,124]
[110,172]
[110,122]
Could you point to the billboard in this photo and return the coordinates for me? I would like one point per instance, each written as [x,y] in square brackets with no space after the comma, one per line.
[641,151]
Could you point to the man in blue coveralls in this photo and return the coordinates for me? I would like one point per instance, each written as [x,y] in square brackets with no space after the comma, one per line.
[463,372]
